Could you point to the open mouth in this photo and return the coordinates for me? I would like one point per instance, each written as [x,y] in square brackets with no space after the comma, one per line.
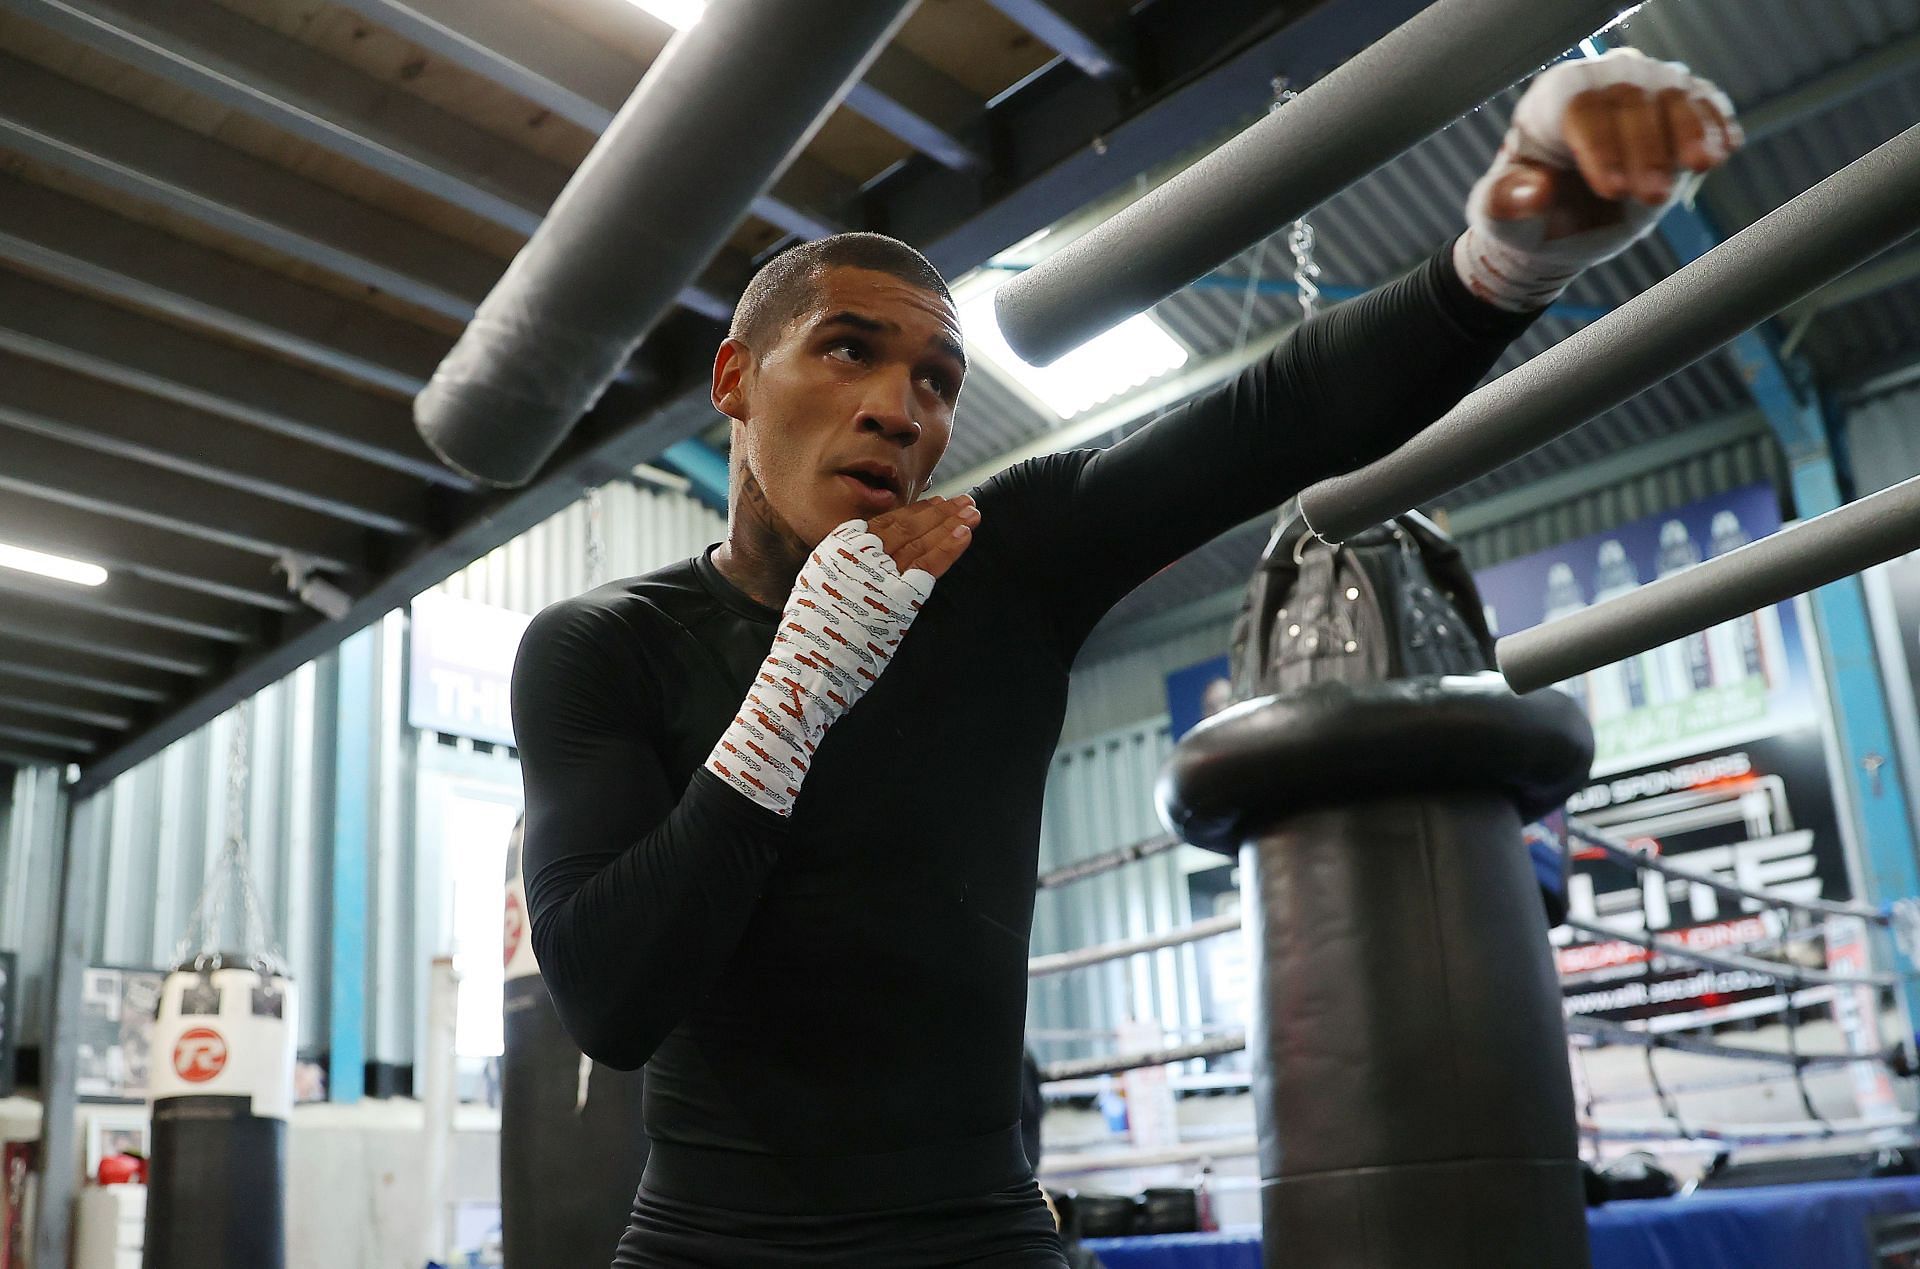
[875,486]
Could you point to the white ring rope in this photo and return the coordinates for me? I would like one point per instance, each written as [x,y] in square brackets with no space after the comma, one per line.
[1619,851]
[1095,865]
[1056,962]
[1742,1134]
[1081,1068]
[1619,1033]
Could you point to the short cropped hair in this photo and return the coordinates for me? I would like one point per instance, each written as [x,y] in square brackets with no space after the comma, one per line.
[787,284]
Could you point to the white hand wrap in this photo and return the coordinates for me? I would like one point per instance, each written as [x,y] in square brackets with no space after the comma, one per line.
[849,609]
[1514,264]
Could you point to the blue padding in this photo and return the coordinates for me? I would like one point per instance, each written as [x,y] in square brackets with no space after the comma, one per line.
[1769,1227]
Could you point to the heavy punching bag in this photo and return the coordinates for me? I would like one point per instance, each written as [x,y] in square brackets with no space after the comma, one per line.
[222,1091]
[1410,1071]
[572,1145]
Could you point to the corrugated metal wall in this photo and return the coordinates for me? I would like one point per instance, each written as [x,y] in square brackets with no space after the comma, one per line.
[643,529]
[1125,690]
[162,825]
[1883,440]
[30,823]
[1099,796]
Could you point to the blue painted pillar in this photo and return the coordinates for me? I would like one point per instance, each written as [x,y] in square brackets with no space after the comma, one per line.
[1785,394]
[705,467]
[352,806]
[1859,695]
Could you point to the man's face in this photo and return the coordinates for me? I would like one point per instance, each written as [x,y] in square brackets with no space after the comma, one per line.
[847,414]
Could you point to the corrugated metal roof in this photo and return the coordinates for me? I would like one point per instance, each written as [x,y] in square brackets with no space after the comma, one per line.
[1757,48]
[1883,440]
[993,418]
[1868,336]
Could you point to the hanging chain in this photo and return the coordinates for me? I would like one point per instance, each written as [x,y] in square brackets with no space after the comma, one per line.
[239,749]
[596,540]
[232,871]
[1306,272]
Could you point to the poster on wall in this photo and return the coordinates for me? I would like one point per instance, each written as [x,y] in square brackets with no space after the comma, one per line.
[117,1008]
[1199,691]
[1743,678]
[1759,815]
[460,667]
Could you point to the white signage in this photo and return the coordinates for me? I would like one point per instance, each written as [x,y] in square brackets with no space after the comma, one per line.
[461,667]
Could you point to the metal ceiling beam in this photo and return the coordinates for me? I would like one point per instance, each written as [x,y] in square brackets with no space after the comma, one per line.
[114,486]
[77,410]
[531,52]
[50,700]
[1065,140]
[72,668]
[623,430]
[81,245]
[127,597]
[36,620]
[18,729]
[123,546]
[260,73]
[122,147]
[1896,268]
[94,338]
[923,107]
[281,82]
[1857,75]
[1085,32]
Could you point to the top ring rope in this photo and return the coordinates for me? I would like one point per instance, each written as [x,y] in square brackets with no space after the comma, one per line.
[1094,865]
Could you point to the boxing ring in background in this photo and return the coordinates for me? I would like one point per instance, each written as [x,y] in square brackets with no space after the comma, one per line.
[1757,1228]
[1417,79]
[1803,919]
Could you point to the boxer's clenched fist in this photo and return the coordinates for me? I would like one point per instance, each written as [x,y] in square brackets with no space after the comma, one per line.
[1596,154]
[849,609]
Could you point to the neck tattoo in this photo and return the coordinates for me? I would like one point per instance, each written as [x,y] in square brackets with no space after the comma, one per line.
[762,554]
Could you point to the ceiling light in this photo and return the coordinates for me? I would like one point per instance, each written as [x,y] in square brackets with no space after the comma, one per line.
[58,567]
[1136,352]
[678,14]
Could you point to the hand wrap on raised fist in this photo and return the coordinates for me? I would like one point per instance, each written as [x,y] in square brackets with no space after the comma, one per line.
[1525,263]
[849,609]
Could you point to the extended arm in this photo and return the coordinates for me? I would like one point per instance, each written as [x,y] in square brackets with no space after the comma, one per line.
[1590,164]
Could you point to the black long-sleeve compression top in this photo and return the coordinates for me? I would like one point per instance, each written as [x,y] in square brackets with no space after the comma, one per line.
[831,1005]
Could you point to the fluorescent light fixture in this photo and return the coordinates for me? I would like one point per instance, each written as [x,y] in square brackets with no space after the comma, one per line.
[1132,354]
[58,567]
[678,14]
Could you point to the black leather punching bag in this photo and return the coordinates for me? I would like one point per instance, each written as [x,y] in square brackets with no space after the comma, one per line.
[572,1145]
[1410,1066]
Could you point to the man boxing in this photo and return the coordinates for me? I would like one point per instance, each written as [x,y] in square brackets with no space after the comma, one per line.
[783,799]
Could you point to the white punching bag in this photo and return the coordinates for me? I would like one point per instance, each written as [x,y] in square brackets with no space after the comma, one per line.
[222,1092]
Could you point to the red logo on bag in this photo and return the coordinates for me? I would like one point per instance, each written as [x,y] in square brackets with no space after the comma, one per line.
[516,926]
[199,1055]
